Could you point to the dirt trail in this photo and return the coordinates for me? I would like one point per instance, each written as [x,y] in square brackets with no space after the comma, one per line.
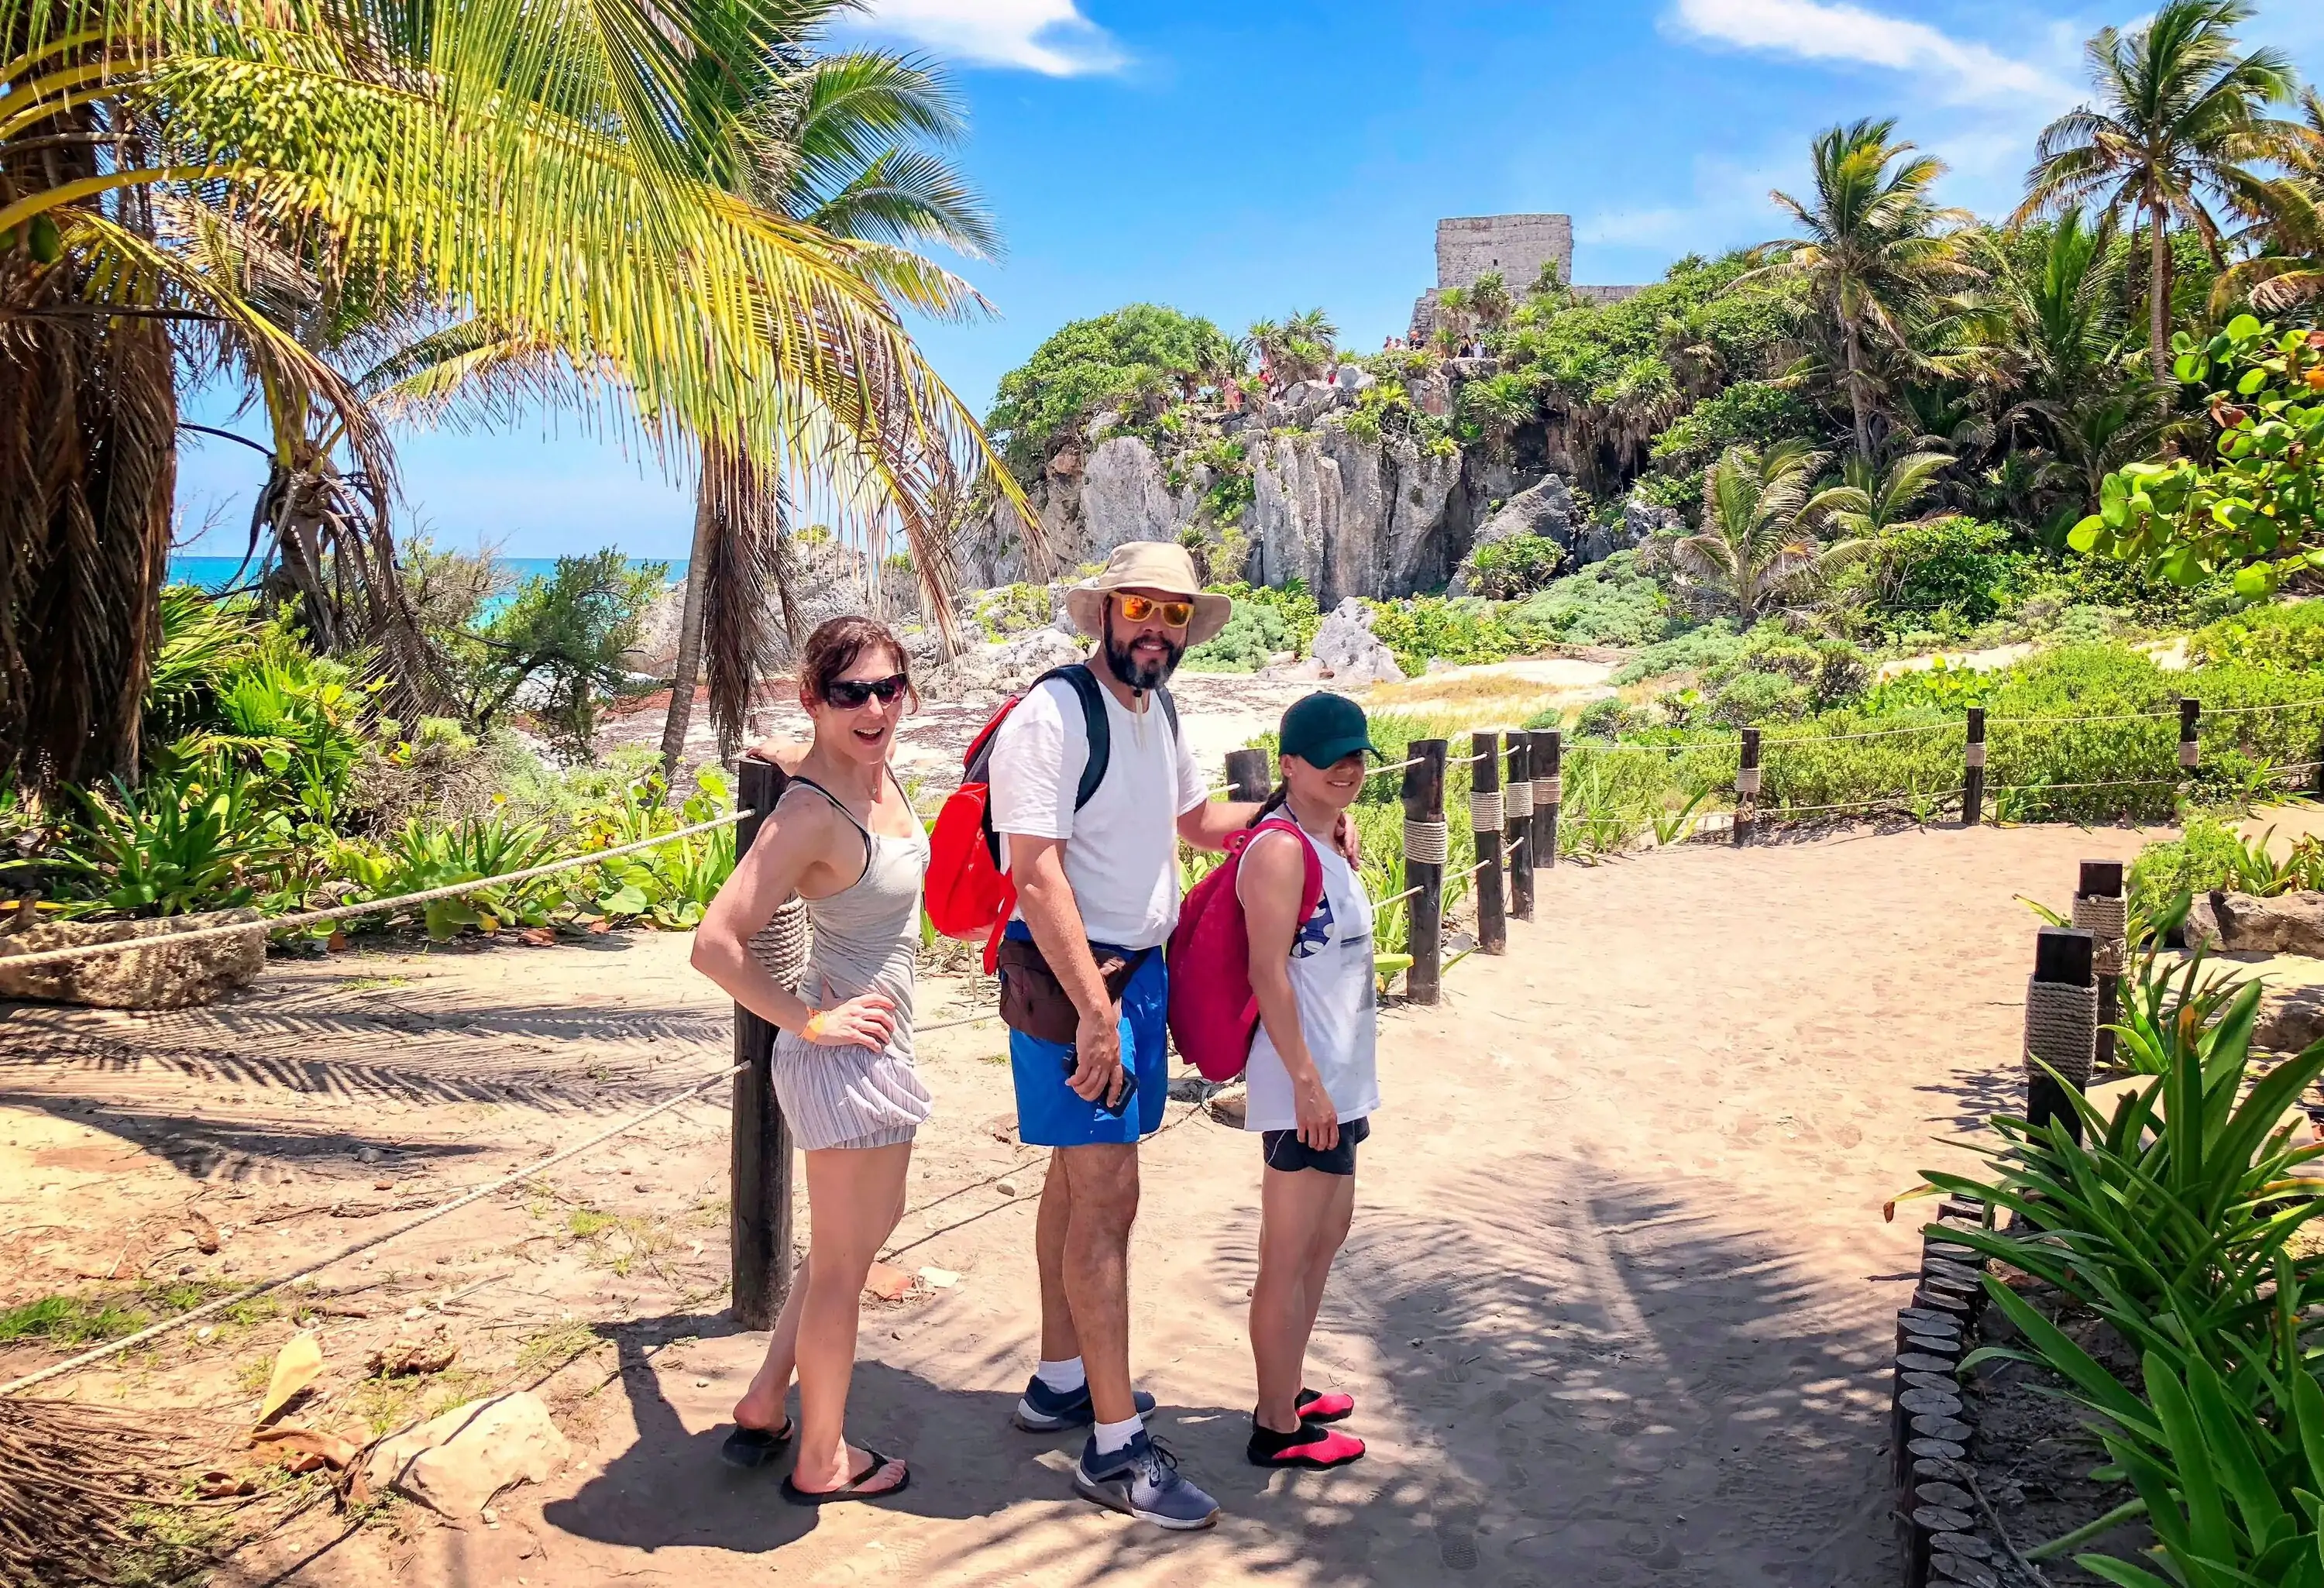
[1617,1309]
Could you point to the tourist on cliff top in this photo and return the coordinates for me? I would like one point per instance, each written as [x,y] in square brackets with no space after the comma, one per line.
[1313,1085]
[843,837]
[1085,992]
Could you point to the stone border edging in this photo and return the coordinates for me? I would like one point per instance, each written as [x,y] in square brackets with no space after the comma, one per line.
[1930,1419]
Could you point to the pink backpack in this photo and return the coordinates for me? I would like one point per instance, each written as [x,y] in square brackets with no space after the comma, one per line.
[1213,1013]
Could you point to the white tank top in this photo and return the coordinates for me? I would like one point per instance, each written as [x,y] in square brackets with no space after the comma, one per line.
[1332,979]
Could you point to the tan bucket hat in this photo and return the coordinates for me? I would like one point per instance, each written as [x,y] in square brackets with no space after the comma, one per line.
[1147,565]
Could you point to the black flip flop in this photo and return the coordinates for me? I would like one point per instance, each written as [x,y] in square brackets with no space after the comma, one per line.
[752,1448]
[851,1490]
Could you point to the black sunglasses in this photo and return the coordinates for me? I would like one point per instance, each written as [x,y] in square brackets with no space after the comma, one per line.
[849,694]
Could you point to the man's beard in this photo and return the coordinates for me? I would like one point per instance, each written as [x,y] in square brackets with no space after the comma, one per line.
[1150,677]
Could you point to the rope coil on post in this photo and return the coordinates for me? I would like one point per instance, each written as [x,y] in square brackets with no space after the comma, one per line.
[1549,791]
[1484,810]
[1516,801]
[2108,922]
[1747,781]
[781,944]
[1974,755]
[2061,1026]
[1429,843]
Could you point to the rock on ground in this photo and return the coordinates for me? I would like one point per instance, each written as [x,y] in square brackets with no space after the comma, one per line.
[455,1463]
[176,977]
[2289,923]
[1348,649]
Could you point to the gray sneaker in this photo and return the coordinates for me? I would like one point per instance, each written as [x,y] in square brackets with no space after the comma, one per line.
[1141,1479]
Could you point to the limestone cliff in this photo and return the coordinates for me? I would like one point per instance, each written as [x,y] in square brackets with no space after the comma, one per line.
[1304,489]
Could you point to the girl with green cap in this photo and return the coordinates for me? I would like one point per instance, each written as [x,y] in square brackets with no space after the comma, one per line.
[1313,1084]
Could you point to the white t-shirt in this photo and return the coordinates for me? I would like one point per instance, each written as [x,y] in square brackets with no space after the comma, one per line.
[1121,848]
[1338,994]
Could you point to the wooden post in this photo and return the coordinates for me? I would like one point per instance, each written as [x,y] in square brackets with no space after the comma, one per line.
[1973,770]
[2191,749]
[2061,955]
[1746,789]
[1247,778]
[1519,846]
[1485,786]
[760,1171]
[1423,823]
[2102,879]
[1548,794]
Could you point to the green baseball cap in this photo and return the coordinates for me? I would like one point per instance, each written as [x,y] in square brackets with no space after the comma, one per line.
[1324,728]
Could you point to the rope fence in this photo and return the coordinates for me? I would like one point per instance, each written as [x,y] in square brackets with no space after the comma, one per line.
[1517,809]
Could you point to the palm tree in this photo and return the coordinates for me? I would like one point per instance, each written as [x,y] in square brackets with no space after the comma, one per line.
[1753,549]
[1870,251]
[846,143]
[1455,313]
[2287,217]
[2179,110]
[1489,301]
[539,170]
[1871,503]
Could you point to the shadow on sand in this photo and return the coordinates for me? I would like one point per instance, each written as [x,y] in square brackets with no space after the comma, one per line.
[1612,1383]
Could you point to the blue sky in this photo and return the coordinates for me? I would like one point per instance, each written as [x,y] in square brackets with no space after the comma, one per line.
[1240,161]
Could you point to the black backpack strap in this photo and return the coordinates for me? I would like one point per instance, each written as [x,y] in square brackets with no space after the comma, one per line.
[1093,723]
[1170,709]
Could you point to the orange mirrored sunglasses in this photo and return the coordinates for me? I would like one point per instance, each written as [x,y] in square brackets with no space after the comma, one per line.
[1176,615]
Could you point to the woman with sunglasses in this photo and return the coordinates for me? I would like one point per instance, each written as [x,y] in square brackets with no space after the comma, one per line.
[844,837]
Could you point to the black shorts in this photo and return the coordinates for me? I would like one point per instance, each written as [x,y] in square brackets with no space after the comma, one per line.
[1283,1150]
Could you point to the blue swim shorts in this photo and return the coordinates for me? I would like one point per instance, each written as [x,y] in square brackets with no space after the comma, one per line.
[1049,1113]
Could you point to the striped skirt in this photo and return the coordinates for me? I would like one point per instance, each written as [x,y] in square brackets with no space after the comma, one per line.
[847,1096]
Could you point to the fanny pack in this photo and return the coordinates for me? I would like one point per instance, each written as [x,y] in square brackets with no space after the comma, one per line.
[1034,1001]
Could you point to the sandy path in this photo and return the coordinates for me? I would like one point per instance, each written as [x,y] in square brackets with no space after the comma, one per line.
[1617,1308]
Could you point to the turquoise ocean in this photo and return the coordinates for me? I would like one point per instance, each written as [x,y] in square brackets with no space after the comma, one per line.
[212,572]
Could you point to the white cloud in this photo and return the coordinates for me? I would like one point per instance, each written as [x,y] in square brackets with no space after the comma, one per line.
[1048,36]
[1814,30]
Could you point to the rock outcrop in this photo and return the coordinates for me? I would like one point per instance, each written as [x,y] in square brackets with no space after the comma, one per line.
[1008,665]
[1351,517]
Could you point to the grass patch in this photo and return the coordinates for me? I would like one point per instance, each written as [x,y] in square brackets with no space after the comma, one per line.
[373,984]
[70,1320]
[552,1349]
[1481,697]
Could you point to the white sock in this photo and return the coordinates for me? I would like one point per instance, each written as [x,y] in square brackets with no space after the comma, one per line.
[1064,1377]
[1113,1436]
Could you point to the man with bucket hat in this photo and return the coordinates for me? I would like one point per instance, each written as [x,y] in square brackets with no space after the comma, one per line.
[1086,991]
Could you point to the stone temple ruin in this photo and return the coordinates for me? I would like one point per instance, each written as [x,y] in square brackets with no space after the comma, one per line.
[1516,245]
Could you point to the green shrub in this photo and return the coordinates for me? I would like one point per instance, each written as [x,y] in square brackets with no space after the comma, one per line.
[2202,858]
[1756,414]
[1705,646]
[1949,577]
[1254,631]
[1514,566]
[2283,638]
[1609,603]
[1462,631]
[1138,361]
[1012,609]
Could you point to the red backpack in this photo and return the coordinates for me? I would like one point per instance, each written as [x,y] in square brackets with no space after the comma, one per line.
[967,891]
[1213,1013]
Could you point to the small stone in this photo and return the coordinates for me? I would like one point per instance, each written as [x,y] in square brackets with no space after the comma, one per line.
[887,1282]
[491,1519]
[702,1383]
[205,1334]
[1007,1187]
[383,1184]
[940,1278]
[456,1462]
[366,1154]
[413,1313]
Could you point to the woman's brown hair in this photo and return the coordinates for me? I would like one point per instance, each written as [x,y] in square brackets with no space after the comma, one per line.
[834,647]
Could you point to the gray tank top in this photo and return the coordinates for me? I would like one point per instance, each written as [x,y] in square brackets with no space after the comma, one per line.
[867,935]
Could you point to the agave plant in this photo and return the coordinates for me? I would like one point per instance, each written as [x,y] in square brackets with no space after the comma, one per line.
[2173,1217]
[172,846]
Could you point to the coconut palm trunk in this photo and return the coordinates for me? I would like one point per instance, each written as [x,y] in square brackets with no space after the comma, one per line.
[1856,398]
[2158,294]
[688,665]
